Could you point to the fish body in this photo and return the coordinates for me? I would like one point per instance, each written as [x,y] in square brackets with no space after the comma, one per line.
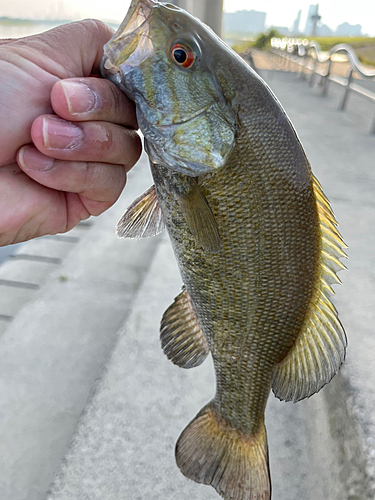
[253,234]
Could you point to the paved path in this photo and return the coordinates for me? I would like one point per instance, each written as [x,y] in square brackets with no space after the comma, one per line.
[80,357]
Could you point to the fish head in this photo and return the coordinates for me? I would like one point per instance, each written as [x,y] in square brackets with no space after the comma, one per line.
[162,58]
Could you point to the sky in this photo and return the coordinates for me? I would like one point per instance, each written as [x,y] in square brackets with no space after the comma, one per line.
[279,13]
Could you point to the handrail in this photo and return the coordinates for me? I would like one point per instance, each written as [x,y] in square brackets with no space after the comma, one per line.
[298,51]
[342,47]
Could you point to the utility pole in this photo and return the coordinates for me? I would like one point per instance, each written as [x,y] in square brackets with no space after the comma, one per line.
[208,11]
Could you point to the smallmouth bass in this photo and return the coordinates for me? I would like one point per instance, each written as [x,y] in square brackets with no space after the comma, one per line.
[253,233]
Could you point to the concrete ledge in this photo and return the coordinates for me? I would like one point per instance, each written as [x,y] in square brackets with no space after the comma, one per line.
[63,328]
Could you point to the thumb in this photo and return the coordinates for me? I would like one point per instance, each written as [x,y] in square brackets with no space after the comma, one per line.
[70,50]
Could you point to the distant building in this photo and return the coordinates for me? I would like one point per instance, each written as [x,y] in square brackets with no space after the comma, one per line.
[244,21]
[323,30]
[346,29]
[312,20]
[295,27]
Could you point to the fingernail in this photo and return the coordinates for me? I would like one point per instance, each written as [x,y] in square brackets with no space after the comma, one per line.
[32,159]
[79,97]
[60,134]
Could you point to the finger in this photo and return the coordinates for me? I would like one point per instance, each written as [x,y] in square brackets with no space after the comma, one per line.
[88,142]
[99,182]
[26,208]
[84,99]
[73,49]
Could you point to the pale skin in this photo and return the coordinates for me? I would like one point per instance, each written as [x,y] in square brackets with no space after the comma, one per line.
[67,139]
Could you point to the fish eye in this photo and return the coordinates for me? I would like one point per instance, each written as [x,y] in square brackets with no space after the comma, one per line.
[182,55]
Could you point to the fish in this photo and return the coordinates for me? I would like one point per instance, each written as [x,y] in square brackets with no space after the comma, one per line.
[254,235]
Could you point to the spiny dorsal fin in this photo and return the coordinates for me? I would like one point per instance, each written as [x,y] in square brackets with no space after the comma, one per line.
[200,219]
[320,348]
[181,335]
[143,218]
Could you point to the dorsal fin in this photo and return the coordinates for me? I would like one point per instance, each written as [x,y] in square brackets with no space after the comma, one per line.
[320,348]
[143,218]
[181,335]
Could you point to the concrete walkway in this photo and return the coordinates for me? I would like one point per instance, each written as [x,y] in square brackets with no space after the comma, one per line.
[86,393]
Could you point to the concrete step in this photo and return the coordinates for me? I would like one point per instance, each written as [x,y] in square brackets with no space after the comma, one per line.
[63,300]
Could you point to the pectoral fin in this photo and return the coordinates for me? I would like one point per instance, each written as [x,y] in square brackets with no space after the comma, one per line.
[320,348]
[181,335]
[199,218]
[143,218]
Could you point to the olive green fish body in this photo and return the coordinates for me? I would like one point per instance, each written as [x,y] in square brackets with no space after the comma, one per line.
[253,296]
[253,234]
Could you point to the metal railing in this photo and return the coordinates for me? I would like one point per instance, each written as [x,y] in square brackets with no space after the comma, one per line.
[309,61]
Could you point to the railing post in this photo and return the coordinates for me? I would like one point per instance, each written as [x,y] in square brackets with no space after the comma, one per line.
[304,59]
[326,78]
[312,72]
[347,90]
[372,129]
[300,65]
[289,63]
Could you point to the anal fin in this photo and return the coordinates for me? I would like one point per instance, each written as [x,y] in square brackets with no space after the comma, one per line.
[143,218]
[181,335]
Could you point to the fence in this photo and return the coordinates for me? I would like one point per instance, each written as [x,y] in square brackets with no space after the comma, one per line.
[310,62]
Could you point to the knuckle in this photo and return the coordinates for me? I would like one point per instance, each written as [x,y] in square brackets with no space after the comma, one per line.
[131,149]
[96,27]
[115,96]
[121,106]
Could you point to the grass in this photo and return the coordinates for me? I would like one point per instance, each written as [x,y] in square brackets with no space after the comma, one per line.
[363,46]
[6,21]
[327,43]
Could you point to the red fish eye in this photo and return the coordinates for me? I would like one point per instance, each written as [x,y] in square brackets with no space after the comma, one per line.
[182,55]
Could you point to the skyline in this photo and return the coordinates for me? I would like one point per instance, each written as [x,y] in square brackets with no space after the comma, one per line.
[284,13]
[278,13]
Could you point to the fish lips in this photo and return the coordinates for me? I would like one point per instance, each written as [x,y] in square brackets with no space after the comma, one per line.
[129,46]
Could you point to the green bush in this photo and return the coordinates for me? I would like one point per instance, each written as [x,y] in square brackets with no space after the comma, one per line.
[263,41]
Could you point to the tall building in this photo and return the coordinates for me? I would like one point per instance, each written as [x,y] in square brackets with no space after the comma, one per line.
[312,20]
[295,27]
[244,21]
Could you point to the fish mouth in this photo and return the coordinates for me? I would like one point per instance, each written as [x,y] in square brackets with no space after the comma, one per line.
[131,44]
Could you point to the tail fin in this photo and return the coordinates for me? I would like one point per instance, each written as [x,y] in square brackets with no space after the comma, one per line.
[209,451]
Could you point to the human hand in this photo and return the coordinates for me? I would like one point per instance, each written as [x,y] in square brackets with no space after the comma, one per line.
[58,170]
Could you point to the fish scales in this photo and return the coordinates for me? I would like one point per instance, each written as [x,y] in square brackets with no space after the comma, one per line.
[254,237]
[251,298]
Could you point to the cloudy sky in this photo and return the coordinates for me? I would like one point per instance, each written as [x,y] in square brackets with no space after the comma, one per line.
[280,13]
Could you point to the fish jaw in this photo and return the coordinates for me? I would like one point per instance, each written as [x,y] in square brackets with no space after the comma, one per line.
[137,59]
[129,46]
